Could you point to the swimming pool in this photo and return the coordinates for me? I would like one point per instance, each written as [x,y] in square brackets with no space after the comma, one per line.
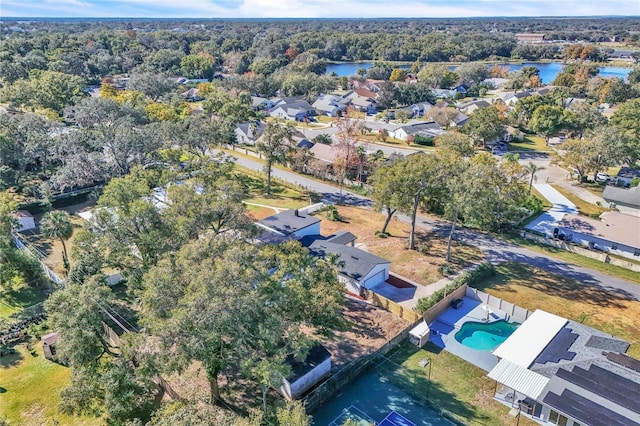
[483,336]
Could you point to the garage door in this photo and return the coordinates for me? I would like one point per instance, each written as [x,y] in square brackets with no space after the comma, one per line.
[374,280]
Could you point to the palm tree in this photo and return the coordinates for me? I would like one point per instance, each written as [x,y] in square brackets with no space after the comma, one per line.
[532,169]
[56,224]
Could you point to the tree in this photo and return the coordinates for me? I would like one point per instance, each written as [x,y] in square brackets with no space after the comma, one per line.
[346,157]
[438,76]
[627,118]
[198,66]
[547,120]
[233,305]
[443,116]
[398,74]
[457,142]
[152,85]
[575,154]
[485,125]
[56,225]
[275,144]
[532,169]
[472,73]
[386,181]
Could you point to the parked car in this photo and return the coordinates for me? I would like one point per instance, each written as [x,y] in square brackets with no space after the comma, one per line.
[604,178]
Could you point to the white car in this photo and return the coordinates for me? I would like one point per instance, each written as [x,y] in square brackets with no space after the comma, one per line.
[603,177]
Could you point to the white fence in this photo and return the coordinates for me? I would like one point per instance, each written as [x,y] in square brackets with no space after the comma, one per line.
[515,312]
[37,255]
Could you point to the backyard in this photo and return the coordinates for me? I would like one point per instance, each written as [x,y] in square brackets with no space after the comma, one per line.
[458,387]
[610,311]
[30,391]
[419,267]
[530,143]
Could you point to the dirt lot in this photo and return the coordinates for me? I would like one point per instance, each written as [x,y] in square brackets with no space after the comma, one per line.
[422,268]
[370,328]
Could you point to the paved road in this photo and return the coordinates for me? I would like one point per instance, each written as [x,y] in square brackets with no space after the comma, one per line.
[496,251]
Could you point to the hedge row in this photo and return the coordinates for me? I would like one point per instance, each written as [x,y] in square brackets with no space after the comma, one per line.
[482,272]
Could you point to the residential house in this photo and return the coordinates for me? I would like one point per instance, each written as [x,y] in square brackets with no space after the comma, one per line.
[324,153]
[305,143]
[261,104]
[428,129]
[613,233]
[247,133]
[511,99]
[418,110]
[626,197]
[444,93]
[191,95]
[459,120]
[561,372]
[469,107]
[330,105]
[298,110]
[357,269]
[184,80]
[626,175]
[291,223]
[306,374]
[25,219]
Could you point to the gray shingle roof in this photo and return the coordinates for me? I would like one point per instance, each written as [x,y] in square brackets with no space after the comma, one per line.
[352,262]
[288,221]
[629,197]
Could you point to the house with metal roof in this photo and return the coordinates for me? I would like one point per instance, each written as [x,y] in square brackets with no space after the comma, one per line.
[561,372]
[427,129]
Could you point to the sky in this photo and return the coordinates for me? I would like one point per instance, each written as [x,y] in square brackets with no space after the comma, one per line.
[314,8]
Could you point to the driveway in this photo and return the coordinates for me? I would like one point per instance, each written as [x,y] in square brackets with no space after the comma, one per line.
[495,250]
[550,219]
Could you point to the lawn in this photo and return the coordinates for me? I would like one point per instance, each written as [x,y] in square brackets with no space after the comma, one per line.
[584,207]
[576,259]
[282,196]
[422,268]
[457,386]
[533,288]
[530,143]
[15,300]
[30,390]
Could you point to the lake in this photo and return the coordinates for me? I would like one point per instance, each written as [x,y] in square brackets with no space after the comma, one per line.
[548,71]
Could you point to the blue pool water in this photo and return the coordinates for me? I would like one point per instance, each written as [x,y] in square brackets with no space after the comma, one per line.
[483,336]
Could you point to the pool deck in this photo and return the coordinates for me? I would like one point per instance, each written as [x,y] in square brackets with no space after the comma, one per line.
[450,321]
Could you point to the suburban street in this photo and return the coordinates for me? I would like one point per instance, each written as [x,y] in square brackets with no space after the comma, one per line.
[497,251]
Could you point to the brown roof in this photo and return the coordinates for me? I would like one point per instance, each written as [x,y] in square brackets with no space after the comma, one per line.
[613,226]
[366,93]
[50,339]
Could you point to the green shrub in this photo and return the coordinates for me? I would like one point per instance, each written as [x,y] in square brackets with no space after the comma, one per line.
[425,247]
[331,213]
[423,140]
[381,234]
[482,272]
[445,269]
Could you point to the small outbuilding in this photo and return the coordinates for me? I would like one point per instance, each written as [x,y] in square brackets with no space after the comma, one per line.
[25,220]
[306,374]
[49,342]
[419,335]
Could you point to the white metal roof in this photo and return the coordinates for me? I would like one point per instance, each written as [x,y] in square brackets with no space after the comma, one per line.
[526,343]
[519,378]
[420,330]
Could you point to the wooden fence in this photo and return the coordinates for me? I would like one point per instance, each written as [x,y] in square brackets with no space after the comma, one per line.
[327,389]
[390,305]
[434,312]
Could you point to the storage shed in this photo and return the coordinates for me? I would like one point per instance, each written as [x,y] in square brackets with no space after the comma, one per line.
[49,345]
[306,374]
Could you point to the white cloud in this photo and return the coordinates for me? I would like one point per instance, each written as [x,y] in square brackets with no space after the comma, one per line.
[316,8]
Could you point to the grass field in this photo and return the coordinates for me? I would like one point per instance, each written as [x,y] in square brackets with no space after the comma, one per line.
[584,207]
[456,385]
[533,288]
[14,300]
[30,391]
[420,267]
[576,259]
[530,143]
